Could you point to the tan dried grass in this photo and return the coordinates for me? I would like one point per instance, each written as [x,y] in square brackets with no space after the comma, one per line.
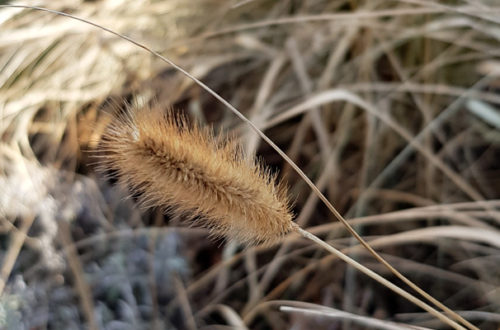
[186,169]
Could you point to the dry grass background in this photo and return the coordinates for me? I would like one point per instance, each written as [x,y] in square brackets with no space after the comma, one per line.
[391,108]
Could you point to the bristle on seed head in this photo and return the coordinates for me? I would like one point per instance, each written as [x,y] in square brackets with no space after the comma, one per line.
[186,169]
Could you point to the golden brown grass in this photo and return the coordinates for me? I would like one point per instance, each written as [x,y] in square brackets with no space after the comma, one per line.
[386,107]
[175,166]
[186,169]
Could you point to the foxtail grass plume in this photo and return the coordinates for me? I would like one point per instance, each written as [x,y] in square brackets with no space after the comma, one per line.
[184,168]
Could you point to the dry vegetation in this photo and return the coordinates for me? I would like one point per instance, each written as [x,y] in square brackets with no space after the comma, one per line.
[390,107]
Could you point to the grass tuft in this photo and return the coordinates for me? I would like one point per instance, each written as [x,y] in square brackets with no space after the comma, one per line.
[184,168]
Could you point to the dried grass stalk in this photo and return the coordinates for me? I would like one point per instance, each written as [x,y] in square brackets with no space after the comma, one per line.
[239,228]
[186,169]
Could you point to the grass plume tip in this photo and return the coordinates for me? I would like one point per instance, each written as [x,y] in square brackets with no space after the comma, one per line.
[188,170]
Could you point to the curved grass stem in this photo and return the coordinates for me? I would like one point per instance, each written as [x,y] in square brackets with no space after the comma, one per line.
[379,278]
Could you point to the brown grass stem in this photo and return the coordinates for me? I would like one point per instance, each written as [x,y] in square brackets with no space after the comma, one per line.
[81,284]
[19,236]
[377,278]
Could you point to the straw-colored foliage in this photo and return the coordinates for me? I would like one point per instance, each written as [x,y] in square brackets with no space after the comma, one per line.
[391,108]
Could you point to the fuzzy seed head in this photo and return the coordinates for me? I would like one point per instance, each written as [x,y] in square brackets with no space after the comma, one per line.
[186,169]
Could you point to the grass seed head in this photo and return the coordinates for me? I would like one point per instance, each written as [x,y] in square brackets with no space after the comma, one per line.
[186,169]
